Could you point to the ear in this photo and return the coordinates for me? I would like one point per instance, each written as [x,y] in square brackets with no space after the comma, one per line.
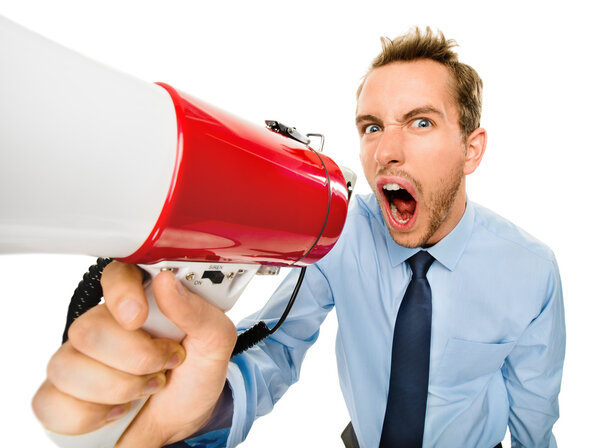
[476,143]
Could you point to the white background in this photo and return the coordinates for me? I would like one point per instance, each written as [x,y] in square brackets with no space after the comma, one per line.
[300,63]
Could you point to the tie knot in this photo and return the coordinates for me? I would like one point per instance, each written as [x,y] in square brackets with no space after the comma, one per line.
[419,263]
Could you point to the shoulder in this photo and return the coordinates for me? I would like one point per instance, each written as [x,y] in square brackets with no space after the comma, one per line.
[363,229]
[507,236]
[364,205]
[363,214]
[364,218]
[499,250]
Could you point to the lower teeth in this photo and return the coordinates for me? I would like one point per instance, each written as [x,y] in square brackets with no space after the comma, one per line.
[397,216]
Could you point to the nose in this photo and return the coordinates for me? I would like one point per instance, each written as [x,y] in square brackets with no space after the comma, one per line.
[390,148]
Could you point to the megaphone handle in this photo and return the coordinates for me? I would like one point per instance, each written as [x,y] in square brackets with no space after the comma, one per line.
[108,436]
[198,277]
[105,437]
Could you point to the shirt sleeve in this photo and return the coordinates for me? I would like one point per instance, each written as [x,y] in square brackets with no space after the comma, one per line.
[259,376]
[533,372]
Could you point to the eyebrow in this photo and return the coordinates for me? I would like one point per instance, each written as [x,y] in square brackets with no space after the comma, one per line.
[367,117]
[423,110]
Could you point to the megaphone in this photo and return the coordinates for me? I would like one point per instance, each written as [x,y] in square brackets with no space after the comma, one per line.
[96,162]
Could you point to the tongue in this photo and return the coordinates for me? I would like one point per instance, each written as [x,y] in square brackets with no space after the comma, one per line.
[406,208]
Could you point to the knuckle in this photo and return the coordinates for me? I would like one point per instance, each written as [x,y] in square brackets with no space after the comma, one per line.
[82,422]
[229,333]
[109,270]
[39,403]
[146,361]
[63,414]
[116,272]
[83,333]
[225,329]
[123,391]
[152,355]
[56,367]
[126,389]
[220,339]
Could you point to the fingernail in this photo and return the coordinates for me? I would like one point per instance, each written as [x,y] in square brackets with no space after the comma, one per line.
[116,412]
[154,384]
[128,310]
[174,361]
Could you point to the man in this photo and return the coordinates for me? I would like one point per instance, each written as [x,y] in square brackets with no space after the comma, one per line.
[485,352]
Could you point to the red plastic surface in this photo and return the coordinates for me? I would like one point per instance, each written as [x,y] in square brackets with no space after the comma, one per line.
[243,193]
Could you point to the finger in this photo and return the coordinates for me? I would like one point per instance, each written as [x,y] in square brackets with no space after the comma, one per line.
[64,414]
[89,380]
[98,336]
[124,294]
[188,400]
[199,319]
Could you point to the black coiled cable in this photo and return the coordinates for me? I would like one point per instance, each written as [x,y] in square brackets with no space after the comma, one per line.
[89,293]
[258,332]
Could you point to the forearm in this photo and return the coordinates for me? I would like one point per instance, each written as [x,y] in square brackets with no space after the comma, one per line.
[268,369]
[257,378]
[533,373]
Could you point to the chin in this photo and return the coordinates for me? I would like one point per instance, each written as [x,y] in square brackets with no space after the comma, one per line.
[414,238]
[408,241]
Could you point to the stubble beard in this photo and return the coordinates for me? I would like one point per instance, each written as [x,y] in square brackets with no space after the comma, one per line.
[438,206]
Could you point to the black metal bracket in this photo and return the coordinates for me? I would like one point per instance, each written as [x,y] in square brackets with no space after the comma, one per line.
[288,131]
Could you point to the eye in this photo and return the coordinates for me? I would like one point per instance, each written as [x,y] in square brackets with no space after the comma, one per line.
[421,123]
[369,129]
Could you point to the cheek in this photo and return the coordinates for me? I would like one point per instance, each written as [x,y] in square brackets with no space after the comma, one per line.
[438,171]
[441,154]
[442,176]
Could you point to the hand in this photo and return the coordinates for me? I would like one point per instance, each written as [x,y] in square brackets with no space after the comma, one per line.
[109,361]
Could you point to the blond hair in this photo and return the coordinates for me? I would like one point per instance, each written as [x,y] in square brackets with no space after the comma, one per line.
[467,85]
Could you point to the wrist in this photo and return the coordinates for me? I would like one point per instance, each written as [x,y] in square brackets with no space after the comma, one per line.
[222,414]
[221,418]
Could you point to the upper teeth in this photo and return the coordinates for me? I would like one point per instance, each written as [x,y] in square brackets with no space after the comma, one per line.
[392,187]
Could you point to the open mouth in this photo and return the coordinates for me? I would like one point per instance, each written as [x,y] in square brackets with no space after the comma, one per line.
[402,204]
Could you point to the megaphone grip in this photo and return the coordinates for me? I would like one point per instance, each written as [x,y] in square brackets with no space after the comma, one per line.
[87,295]
[158,325]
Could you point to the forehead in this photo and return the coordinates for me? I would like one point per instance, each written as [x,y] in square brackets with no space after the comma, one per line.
[407,85]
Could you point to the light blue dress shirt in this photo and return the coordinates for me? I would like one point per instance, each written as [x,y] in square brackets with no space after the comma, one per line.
[497,339]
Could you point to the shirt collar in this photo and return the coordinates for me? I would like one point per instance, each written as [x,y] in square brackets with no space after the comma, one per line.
[448,251]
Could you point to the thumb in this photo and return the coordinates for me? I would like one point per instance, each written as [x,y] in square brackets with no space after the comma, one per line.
[124,294]
[208,329]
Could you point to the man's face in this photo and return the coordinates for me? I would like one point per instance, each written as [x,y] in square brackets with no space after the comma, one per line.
[412,150]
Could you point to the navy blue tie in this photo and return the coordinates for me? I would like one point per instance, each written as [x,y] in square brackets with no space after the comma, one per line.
[409,376]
